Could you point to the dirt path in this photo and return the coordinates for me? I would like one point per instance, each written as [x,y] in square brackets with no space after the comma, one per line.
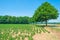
[54,32]
[53,35]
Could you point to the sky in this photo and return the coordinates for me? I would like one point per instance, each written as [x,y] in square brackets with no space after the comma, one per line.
[25,7]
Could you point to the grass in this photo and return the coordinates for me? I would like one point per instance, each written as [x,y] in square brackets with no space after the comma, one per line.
[19,31]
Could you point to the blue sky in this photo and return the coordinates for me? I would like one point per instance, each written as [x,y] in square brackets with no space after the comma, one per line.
[25,7]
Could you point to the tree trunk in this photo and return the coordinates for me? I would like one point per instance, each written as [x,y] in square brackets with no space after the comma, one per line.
[46,22]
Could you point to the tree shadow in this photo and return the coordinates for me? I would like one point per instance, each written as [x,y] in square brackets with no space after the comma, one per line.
[43,28]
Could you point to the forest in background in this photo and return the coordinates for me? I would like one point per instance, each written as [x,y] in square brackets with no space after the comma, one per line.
[15,20]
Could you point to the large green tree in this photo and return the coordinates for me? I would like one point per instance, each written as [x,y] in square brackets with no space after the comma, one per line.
[45,12]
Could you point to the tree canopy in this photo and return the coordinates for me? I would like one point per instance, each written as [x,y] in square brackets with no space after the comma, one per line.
[45,12]
[14,20]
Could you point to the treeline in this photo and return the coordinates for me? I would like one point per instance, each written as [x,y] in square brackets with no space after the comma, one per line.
[15,20]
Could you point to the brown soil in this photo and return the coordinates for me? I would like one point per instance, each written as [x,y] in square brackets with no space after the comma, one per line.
[53,35]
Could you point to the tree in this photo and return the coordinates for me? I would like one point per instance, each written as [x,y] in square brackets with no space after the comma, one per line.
[14,20]
[45,12]
[24,20]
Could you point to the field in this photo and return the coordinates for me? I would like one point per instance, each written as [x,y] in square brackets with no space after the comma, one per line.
[28,32]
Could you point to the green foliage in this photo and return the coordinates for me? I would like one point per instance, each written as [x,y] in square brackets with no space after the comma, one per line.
[14,20]
[45,12]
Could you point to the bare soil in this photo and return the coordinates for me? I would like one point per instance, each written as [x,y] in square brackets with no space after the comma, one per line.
[53,35]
